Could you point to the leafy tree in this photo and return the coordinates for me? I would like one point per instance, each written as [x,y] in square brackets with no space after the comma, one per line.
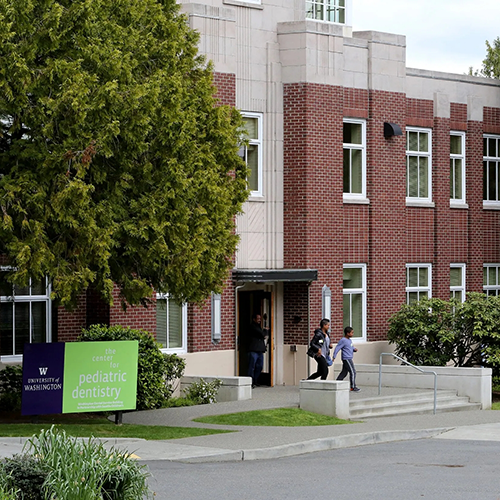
[437,332]
[491,64]
[117,165]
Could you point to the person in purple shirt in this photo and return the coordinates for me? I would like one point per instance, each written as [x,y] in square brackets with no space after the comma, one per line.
[345,345]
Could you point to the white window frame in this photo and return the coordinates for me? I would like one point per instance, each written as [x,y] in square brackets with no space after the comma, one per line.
[347,11]
[357,291]
[487,158]
[184,319]
[418,289]
[487,286]
[255,142]
[16,299]
[455,290]
[419,199]
[357,197]
[458,201]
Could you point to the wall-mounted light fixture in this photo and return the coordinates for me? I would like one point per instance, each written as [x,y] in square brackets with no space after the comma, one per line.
[216,318]
[326,302]
[391,129]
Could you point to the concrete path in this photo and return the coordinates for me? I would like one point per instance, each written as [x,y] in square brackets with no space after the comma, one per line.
[255,443]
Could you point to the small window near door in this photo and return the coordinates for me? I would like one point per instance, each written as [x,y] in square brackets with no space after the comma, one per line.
[171,324]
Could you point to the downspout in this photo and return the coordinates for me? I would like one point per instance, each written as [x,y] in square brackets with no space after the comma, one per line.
[308,326]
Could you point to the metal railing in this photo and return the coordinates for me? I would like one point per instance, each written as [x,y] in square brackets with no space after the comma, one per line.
[409,364]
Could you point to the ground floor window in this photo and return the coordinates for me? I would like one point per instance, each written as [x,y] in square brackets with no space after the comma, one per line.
[457,282]
[354,291]
[418,282]
[171,324]
[491,279]
[24,315]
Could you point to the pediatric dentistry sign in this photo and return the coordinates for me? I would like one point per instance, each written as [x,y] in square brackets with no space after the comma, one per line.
[77,377]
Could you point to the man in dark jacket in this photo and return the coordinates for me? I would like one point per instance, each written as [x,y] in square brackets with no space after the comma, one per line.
[320,349]
[256,349]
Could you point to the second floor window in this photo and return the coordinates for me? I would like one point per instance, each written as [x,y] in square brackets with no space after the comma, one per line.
[457,167]
[418,165]
[491,169]
[354,159]
[333,11]
[252,153]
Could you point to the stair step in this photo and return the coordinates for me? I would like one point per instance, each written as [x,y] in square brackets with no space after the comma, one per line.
[409,404]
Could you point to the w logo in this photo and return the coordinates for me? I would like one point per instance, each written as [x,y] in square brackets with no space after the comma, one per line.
[43,371]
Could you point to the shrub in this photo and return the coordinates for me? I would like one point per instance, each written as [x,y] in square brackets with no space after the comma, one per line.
[85,470]
[437,332]
[174,369]
[27,474]
[203,392]
[11,384]
[152,389]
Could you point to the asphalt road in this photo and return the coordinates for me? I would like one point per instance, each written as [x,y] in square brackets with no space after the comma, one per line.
[433,469]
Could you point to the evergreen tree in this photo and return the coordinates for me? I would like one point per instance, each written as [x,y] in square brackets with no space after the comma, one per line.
[117,165]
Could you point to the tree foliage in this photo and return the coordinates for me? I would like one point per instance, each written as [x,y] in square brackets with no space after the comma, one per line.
[117,165]
[437,332]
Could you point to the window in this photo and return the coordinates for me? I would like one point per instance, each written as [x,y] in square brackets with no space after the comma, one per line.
[354,159]
[457,167]
[491,279]
[418,165]
[354,290]
[171,324]
[418,282]
[24,315]
[491,167]
[457,282]
[326,10]
[252,153]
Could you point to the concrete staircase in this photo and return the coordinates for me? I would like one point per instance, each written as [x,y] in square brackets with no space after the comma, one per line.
[413,403]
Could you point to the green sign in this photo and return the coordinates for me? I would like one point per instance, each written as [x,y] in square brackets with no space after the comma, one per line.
[100,376]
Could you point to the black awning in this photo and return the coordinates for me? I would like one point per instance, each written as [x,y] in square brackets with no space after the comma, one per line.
[267,275]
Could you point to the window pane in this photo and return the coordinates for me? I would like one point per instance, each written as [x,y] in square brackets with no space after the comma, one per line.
[455,145]
[412,277]
[6,324]
[458,179]
[353,277]
[492,181]
[412,141]
[21,290]
[423,276]
[38,322]
[5,287]
[412,298]
[455,276]
[423,142]
[492,147]
[347,310]
[357,314]
[412,176]
[353,133]
[347,171]
[174,325]
[423,178]
[161,322]
[492,276]
[252,127]
[21,326]
[357,171]
[253,165]
[38,287]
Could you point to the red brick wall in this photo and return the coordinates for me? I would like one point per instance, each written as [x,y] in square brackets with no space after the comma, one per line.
[225,84]
[67,325]
[295,317]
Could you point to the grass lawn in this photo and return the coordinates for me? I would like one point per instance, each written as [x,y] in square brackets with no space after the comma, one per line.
[280,417]
[495,406]
[101,427]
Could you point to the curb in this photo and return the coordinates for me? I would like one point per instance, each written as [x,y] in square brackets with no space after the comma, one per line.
[322,444]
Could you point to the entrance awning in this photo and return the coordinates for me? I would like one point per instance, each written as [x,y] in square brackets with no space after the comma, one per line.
[268,275]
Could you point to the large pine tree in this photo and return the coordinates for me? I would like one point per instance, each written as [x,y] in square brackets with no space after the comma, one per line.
[117,165]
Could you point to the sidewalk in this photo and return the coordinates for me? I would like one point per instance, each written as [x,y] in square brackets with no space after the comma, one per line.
[256,443]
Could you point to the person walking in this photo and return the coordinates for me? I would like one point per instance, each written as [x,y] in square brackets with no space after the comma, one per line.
[256,349]
[320,350]
[345,345]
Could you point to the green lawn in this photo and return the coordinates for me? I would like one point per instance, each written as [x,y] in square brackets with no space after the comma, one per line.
[495,406]
[280,417]
[103,428]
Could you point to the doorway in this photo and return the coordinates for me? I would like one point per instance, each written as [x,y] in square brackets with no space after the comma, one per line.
[250,303]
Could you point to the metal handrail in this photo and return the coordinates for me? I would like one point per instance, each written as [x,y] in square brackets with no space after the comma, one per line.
[409,364]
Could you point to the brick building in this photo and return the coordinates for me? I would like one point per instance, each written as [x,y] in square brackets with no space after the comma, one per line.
[372,184]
